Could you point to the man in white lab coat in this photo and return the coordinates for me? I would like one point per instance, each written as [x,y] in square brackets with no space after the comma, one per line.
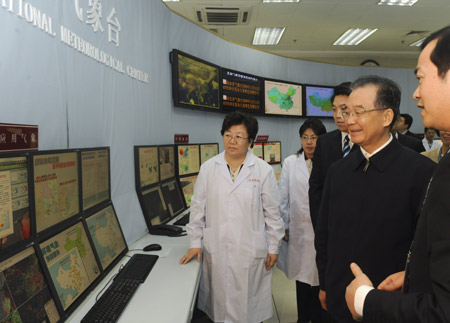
[235,212]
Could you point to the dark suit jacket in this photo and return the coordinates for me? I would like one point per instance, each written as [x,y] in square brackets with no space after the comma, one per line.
[426,296]
[411,142]
[368,217]
[412,134]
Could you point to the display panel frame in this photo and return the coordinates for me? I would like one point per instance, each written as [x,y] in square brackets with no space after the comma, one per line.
[173,172]
[181,181]
[183,101]
[259,145]
[274,158]
[145,210]
[181,198]
[268,86]
[308,109]
[181,150]
[137,166]
[202,147]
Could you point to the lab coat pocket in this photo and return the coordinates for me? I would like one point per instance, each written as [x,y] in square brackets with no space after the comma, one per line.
[259,249]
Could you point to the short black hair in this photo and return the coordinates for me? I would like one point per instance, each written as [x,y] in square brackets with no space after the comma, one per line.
[315,125]
[439,56]
[435,130]
[238,118]
[388,94]
[408,119]
[341,89]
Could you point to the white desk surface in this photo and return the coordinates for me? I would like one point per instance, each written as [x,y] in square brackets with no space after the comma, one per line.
[169,292]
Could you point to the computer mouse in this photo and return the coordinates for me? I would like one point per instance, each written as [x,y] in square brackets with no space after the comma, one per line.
[152,247]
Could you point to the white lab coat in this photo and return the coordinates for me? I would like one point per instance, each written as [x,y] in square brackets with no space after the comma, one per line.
[434,145]
[297,258]
[239,223]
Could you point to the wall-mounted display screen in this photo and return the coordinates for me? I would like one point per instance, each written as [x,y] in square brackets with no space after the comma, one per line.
[282,98]
[173,197]
[240,92]
[187,185]
[56,193]
[207,151]
[257,149]
[147,164]
[188,159]
[25,295]
[154,207]
[318,101]
[166,162]
[95,176]
[106,234]
[272,152]
[71,262]
[195,82]
[15,221]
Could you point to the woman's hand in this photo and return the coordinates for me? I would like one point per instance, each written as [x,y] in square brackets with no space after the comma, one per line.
[191,253]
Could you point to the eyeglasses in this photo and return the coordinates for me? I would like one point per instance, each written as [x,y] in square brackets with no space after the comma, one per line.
[308,138]
[357,113]
[237,138]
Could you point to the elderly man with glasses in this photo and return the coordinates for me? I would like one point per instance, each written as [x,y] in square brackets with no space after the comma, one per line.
[371,198]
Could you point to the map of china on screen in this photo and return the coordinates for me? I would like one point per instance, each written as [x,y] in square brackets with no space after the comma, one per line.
[282,98]
[318,101]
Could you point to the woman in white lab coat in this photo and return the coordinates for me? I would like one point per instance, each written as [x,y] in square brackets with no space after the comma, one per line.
[235,213]
[297,254]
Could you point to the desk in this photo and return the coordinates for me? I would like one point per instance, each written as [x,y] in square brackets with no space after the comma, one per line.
[169,292]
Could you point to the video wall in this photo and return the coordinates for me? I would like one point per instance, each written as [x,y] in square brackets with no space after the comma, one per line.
[59,231]
[198,84]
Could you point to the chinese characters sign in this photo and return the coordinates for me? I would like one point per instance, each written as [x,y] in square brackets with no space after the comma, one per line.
[18,137]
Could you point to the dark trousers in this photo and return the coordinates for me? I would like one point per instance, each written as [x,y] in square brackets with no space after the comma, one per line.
[308,304]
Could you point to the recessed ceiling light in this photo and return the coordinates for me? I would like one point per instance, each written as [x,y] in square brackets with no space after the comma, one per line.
[418,43]
[269,1]
[397,2]
[354,36]
[268,36]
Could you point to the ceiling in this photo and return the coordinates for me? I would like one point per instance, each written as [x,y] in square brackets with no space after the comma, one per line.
[312,26]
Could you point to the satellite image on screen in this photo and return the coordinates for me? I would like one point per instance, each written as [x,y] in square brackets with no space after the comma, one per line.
[166,162]
[154,208]
[198,83]
[95,177]
[282,98]
[71,263]
[55,188]
[14,206]
[105,232]
[187,185]
[148,165]
[24,294]
[318,101]
[207,151]
[173,197]
[188,159]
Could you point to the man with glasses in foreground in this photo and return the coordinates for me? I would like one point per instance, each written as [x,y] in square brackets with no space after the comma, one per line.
[370,219]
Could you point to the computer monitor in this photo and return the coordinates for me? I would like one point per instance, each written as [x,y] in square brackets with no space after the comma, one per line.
[70,260]
[173,197]
[272,152]
[277,171]
[56,187]
[282,98]
[257,149]
[318,101]
[15,219]
[95,179]
[207,151]
[25,294]
[188,159]
[107,235]
[187,186]
[154,206]
[146,165]
[166,162]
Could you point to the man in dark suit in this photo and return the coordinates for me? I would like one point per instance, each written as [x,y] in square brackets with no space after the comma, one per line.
[370,198]
[426,282]
[411,142]
[404,123]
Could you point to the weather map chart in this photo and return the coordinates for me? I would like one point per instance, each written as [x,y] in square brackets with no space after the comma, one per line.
[187,185]
[188,159]
[71,263]
[95,177]
[148,165]
[207,151]
[272,152]
[282,98]
[318,101]
[166,162]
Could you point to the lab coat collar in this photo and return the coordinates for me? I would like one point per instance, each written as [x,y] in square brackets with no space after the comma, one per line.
[243,174]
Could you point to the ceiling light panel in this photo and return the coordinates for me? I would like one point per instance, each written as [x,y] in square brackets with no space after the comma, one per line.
[354,36]
[397,2]
[267,36]
[278,1]
[418,43]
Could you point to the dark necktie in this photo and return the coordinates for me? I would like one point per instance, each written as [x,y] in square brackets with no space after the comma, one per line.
[346,148]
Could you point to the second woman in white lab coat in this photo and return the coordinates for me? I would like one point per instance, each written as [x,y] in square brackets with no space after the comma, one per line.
[297,254]
[235,213]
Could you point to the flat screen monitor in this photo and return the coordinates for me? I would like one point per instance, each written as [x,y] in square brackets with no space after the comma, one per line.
[25,294]
[257,149]
[282,98]
[240,92]
[107,235]
[187,186]
[146,165]
[70,260]
[154,206]
[95,179]
[15,219]
[188,159]
[318,101]
[272,152]
[173,197]
[277,171]
[56,187]
[207,151]
[195,82]
[166,162]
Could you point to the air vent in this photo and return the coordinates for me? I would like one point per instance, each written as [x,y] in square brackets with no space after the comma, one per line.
[222,16]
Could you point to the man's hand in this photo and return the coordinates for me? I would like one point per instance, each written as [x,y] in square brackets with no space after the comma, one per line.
[271,260]
[191,253]
[360,279]
[393,283]
[323,299]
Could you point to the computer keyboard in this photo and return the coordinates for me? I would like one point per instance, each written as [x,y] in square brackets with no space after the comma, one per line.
[114,300]
[183,220]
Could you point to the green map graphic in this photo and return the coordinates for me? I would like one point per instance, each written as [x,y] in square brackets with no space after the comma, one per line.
[323,103]
[283,100]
